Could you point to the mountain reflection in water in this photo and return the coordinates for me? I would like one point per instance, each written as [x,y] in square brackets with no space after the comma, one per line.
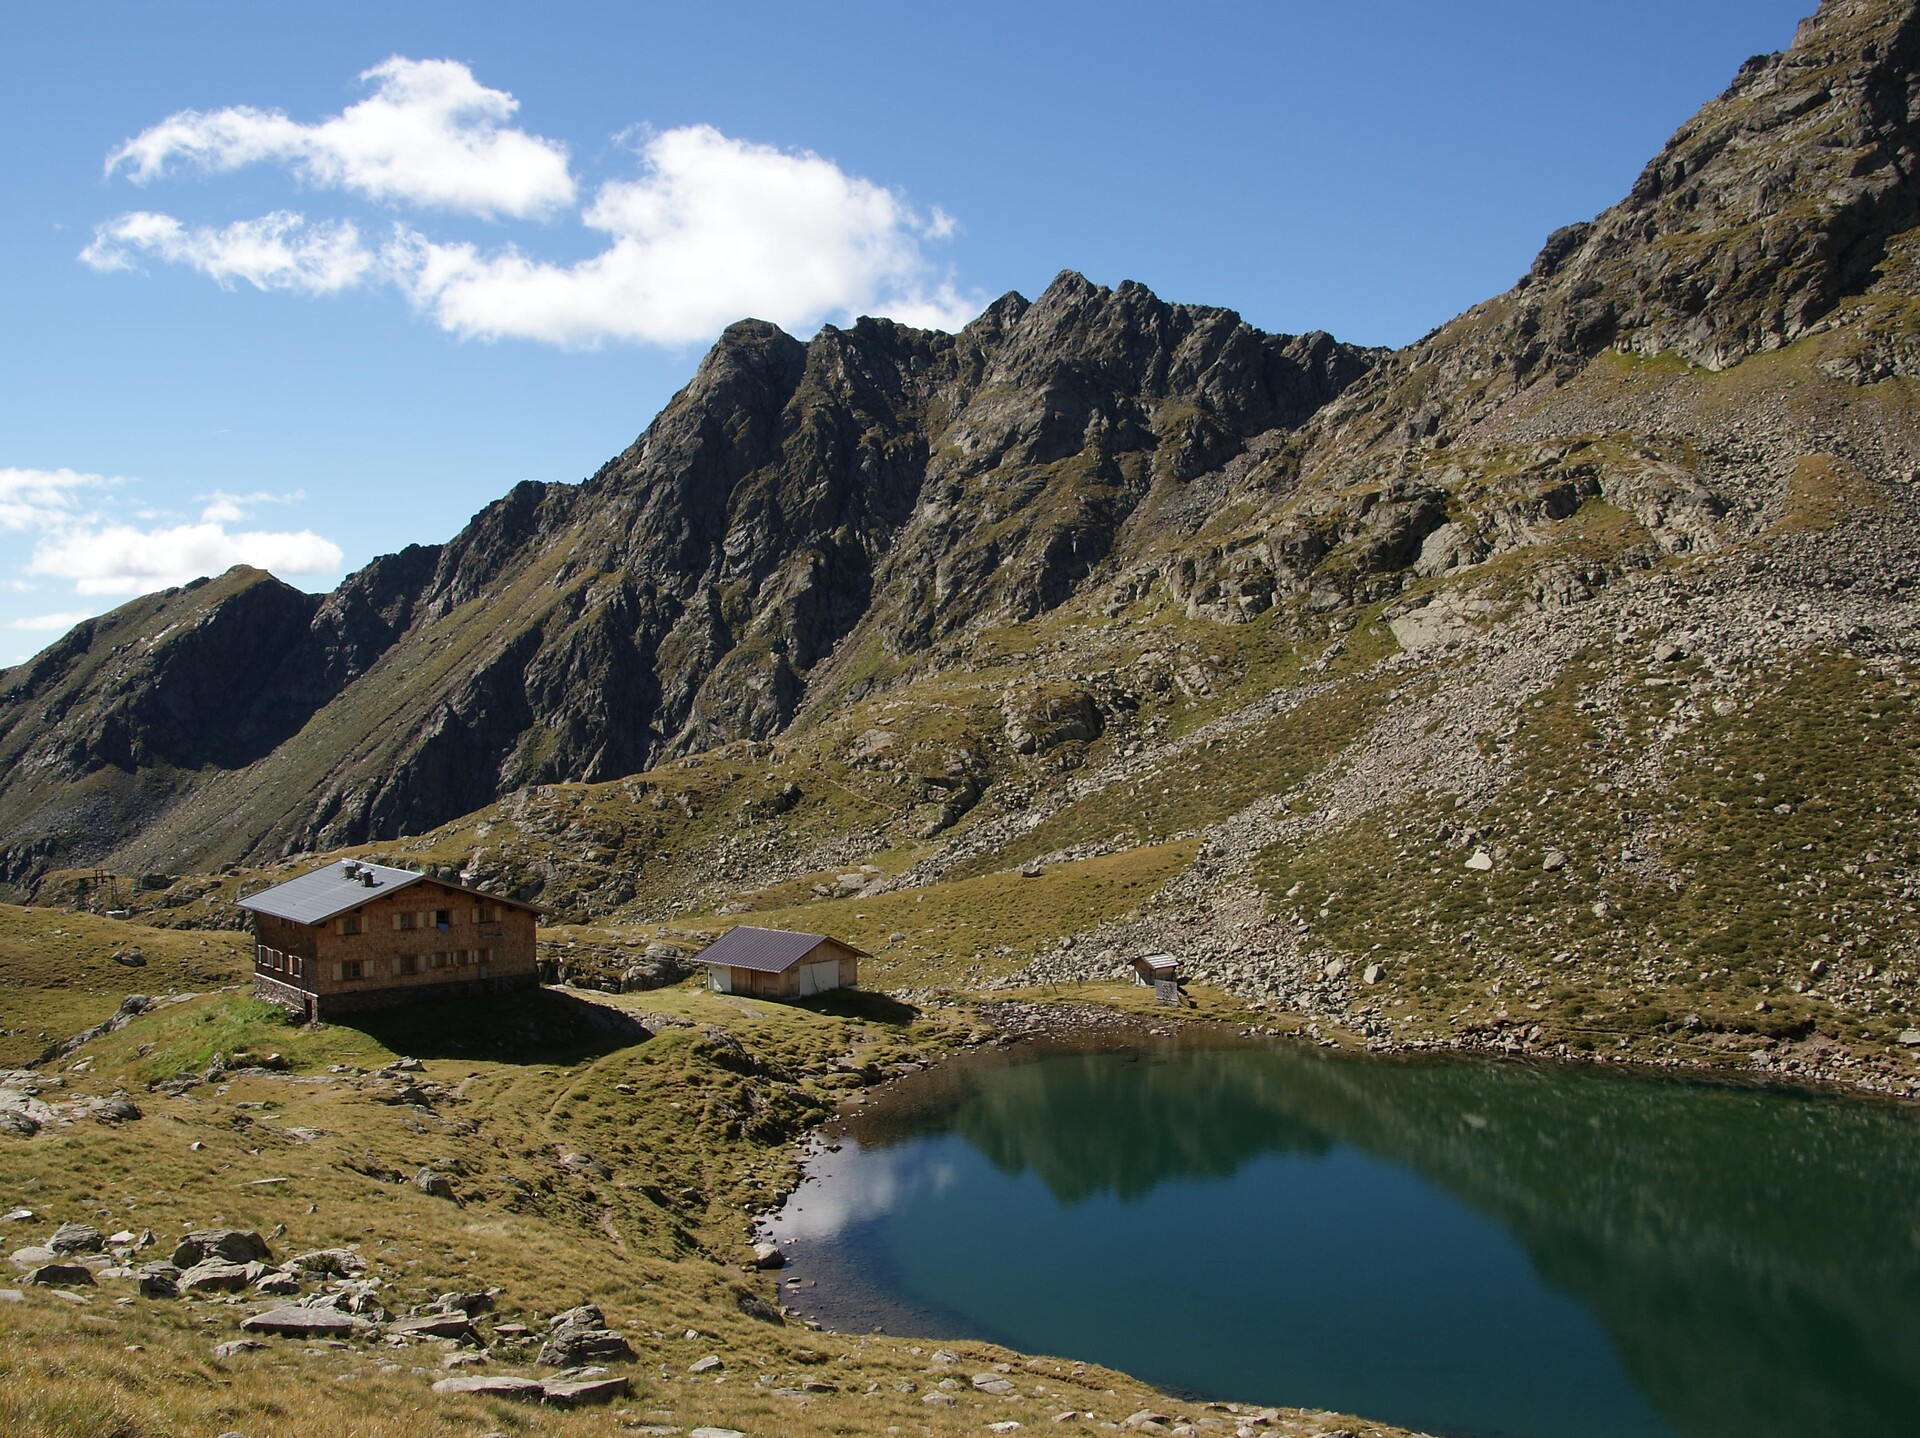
[1464,1247]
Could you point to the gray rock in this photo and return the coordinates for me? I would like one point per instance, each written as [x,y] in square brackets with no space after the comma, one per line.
[485,1385]
[33,1255]
[18,1124]
[1554,861]
[436,1184]
[230,1245]
[234,1347]
[333,1262]
[571,1345]
[277,1283]
[435,1325]
[994,1383]
[579,1392]
[70,1238]
[467,1303]
[158,1280]
[705,1365]
[213,1276]
[768,1255]
[307,1323]
[59,1275]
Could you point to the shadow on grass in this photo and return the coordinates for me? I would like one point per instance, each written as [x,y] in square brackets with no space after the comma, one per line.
[861,1004]
[534,1026]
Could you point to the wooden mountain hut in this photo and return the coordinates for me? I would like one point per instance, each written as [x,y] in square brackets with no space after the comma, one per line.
[775,964]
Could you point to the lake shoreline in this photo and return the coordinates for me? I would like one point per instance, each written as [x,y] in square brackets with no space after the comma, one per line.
[1017,1017]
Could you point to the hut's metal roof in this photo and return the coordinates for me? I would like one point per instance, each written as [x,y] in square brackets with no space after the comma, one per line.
[770,951]
[1158,962]
[316,897]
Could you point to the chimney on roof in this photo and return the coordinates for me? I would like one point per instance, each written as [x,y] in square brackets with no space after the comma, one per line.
[350,868]
[366,877]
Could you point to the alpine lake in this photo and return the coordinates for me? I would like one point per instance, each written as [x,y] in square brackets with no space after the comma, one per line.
[1465,1248]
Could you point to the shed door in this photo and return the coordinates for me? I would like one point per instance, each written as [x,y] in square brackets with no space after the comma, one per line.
[817,978]
[720,979]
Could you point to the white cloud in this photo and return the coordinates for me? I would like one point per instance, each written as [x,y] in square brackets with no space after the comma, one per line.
[35,498]
[712,230]
[279,251]
[430,134]
[716,229]
[41,622]
[223,508]
[121,559]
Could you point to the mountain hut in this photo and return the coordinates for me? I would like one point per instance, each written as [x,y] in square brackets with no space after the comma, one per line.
[775,964]
[356,935]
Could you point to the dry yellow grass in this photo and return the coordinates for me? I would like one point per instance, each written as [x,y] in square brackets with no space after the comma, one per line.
[692,1128]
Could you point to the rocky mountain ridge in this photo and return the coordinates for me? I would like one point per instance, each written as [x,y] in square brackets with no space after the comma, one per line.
[678,599]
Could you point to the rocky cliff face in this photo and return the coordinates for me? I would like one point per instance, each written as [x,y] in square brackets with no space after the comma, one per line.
[682,597]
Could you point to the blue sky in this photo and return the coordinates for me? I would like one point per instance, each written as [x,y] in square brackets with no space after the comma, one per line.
[302,285]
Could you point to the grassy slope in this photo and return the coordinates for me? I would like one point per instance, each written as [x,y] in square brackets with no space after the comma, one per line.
[1760,873]
[58,976]
[699,1142]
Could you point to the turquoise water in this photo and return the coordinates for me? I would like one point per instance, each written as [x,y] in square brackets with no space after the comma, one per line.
[1463,1248]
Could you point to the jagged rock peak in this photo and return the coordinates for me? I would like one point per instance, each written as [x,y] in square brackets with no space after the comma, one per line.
[1763,212]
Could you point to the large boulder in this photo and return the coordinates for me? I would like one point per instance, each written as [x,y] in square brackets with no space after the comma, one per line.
[229,1245]
[59,1275]
[71,1238]
[580,1336]
[328,1263]
[213,1276]
[308,1323]
[158,1280]
[578,1392]
[493,1385]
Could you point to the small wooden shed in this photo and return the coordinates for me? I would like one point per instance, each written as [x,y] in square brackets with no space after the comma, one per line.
[776,964]
[1151,969]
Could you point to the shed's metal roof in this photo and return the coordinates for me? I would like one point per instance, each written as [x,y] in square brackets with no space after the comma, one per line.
[771,951]
[1158,962]
[314,898]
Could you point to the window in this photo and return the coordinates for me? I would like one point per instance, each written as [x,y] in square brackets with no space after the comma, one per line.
[483,956]
[404,919]
[460,958]
[409,964]
[351,969]
[296,966]
[485,914]
[350,924]
[443,919]
[440,961]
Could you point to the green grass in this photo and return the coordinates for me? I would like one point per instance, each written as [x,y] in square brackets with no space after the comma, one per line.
[58,976]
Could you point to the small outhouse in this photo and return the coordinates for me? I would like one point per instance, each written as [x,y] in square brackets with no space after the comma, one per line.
[1151,969]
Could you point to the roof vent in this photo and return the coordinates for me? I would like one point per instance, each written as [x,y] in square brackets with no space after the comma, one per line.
[366,877]
[351,868]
